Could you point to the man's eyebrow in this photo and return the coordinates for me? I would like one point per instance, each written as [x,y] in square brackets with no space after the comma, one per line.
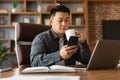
[66,18]
[59,18]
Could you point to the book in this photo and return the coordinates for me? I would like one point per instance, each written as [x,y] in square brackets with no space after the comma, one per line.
[3,10]
[5,68]
[53,68]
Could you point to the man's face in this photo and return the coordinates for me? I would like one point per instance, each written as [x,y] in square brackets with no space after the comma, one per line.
[60,22]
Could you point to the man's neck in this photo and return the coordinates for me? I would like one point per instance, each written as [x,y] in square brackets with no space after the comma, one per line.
[60,35]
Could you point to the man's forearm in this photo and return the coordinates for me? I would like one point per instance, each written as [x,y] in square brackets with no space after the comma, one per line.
[84,53]
[45,59]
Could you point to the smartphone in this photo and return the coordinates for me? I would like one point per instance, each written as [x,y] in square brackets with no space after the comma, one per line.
[73,40]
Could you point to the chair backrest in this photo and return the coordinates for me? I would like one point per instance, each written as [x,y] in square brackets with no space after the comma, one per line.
[24,35]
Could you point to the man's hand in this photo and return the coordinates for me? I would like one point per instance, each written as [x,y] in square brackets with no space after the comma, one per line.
[67,51]
[80,36]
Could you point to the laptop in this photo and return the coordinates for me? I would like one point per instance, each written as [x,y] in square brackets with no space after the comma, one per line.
[5,68]
[106,55]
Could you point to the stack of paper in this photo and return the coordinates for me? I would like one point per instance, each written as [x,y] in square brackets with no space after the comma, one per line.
[27,77]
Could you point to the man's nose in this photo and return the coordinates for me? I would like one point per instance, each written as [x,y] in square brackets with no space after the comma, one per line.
[63,22]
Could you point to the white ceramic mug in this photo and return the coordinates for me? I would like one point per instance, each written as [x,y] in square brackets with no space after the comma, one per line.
[69,32]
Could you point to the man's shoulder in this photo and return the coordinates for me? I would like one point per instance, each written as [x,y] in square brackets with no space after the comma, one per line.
[46,35]
[42,34]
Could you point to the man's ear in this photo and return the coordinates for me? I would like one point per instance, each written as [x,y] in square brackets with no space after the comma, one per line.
[50,21]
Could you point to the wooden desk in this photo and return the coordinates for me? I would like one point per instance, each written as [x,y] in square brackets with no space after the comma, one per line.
[85,75]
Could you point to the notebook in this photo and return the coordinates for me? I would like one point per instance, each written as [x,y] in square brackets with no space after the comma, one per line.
[52,68]
[106,55]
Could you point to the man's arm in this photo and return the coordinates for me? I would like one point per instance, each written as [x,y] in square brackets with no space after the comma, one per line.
[84,53]
[40,55]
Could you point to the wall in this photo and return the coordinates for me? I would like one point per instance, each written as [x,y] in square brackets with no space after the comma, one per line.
[98,12]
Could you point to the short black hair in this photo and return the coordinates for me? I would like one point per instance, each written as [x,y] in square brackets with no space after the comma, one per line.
[59,8]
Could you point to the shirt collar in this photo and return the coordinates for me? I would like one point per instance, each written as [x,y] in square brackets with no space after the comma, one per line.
[54,34]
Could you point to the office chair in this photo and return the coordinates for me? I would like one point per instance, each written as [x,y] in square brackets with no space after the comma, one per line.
[24,35]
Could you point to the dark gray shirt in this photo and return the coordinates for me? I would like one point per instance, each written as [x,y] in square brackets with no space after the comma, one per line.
[45,50]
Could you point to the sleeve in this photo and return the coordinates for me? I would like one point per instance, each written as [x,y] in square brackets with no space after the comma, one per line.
[84,53]
[39,55]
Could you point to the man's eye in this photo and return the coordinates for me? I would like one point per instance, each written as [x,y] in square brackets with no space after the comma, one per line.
[59,20]
[66,20]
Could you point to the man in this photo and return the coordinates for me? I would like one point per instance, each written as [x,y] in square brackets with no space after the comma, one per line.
[50,47]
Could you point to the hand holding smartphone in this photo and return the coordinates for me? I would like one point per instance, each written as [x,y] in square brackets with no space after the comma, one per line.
[73,40]
[71,37]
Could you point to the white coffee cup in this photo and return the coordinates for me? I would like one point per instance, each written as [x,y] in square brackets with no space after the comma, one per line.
[69,32]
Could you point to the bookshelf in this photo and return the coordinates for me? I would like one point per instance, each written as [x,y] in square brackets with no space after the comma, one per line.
[27,9]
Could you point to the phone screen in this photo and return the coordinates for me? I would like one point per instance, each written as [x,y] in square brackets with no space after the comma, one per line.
[73,41]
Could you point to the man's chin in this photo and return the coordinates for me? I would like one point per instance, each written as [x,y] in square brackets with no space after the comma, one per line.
[63,31]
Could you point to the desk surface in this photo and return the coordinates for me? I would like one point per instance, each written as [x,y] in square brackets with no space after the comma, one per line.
[113,74]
